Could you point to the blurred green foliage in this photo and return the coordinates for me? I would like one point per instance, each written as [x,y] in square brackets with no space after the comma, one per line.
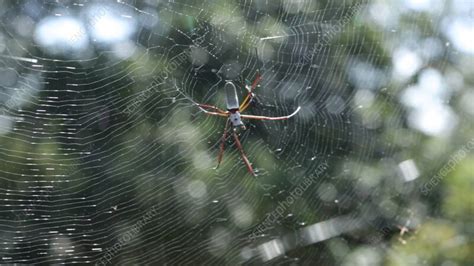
[115,166]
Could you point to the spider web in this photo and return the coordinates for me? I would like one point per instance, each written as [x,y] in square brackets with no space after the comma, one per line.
[105,158]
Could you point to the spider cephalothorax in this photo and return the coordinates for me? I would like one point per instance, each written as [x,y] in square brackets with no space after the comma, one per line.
[235,119]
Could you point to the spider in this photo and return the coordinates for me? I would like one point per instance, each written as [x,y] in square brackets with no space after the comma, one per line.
[234,117]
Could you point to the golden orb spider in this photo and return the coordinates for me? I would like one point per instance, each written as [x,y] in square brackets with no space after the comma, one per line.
[234,116]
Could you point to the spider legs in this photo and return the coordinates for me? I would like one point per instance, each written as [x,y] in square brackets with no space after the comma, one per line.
[214,110]
[258,117]
[245,104]
[222,145]
[239,147]
[242,154]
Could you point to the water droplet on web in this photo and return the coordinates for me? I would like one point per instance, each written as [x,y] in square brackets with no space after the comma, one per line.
[278,150]
[215,201]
